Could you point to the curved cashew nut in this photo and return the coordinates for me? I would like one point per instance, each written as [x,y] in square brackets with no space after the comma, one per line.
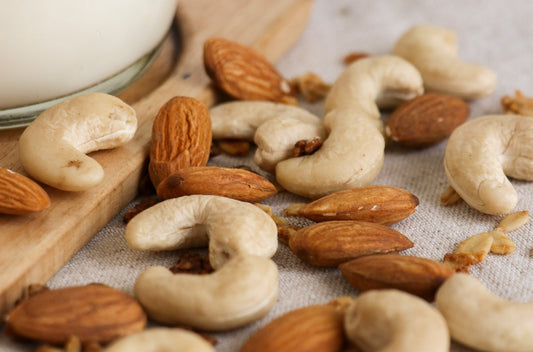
[479,319]
[353,153]
[275,139]
[479,155]
[229,226]
[242,291]
[53,147]
[240,119]
[433,51]
[161,339]
[394,321]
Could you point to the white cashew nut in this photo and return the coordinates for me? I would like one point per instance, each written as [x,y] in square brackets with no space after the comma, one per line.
[433,51]
[395,321]
[353,153]
[240,119]
[159,340]
[53,147]
[229,226]
[275,139]
[479,319]
[479,155]
[242,291]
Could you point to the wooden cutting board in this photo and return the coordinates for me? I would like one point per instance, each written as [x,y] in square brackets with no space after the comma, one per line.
[34,247]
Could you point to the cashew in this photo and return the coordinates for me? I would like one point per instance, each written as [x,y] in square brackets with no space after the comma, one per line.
[240,119]
[242,291]
[353,153]
[479,319]
[229,226]
[276,137]
[479,155]
[394,321]
[53,147]
[161,339]
[433,51]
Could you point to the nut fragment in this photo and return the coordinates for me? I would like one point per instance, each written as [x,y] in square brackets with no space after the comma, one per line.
[142,205]
[234,147]
[380,204]
[331,243]
[474,249]
[418,276]
[426,120]
[181,137]
[354,56]
[520,104]
[243,73]
[306,147]
[192,263]
[311,87]
[92,313]
[449,197]
[312,328]
[233,183]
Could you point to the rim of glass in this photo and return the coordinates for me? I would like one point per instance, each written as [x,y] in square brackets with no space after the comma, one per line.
[24,115]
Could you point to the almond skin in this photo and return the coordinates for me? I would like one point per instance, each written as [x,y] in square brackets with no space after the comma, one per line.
[419,276]
[380,204]
[219,181]
[426,120]
[181,137]
[313,328]
[243,73]
[331,243]
[93,313]
[20,195]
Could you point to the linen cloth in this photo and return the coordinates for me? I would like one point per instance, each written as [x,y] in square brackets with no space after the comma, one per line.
[495,34]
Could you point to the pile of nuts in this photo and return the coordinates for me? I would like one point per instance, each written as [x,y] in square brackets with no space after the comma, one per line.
[335,159]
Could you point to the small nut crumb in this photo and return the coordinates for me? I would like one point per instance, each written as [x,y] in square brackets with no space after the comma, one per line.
[285,232]
[354,56]
[311,87]
[234,147]
[73,344]
[449,196]
[192,263]
[289,100]
[293,209]
[267,209]
[513,221]
[143,204]
[306,147]
[520,104]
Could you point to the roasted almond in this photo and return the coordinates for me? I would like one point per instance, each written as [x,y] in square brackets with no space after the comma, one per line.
[313,328]
[243,73]
[419,276]
[380,204]
[181,137]
[426,120]
[20,195]
[331,243]
[233,183]
[93,313]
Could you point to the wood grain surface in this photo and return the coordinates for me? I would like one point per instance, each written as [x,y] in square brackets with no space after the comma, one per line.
[34,247]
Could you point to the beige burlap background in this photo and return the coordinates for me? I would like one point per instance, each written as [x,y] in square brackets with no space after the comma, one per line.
[497,34]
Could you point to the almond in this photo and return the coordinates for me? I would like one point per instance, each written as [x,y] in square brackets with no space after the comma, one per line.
[419,276]
[93,313]
[380,204]
[181,137]
[219,181]
[313,328]
[20,195]
[243,73]
[426,120]
[331,243]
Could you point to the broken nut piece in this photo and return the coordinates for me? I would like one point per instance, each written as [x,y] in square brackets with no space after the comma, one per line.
[311,87]
[520,104]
